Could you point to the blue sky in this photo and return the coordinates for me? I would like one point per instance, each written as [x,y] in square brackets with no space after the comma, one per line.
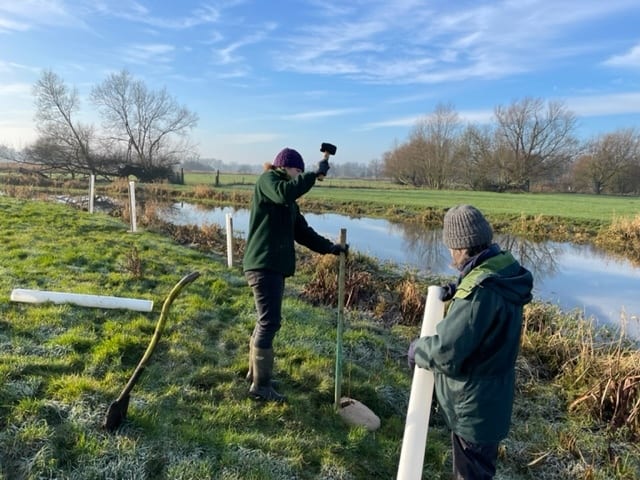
[263,75]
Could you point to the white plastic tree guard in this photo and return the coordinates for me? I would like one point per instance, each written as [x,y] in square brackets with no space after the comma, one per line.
[84,300]
[419,409]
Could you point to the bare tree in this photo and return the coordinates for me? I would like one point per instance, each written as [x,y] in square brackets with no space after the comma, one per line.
[150,125]
[400,164]
[67,140]
[436,137]
[375,169]
[8,154]
[540,141]
[428,157]
[477,161]
[607,157]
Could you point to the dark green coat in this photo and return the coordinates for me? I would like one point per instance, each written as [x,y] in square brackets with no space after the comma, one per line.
[276,222]
[474,351]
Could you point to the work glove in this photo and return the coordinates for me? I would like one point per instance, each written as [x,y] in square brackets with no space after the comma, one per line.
[337,249]
[323,168]
[411,354]
[448,291]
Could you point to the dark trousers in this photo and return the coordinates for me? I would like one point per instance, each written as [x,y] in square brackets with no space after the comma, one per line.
[268,290]
[473,461]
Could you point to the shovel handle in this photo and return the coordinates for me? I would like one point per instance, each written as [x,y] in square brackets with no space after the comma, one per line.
[187,279]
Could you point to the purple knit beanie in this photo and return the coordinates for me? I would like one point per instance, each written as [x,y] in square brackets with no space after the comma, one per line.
[289,158]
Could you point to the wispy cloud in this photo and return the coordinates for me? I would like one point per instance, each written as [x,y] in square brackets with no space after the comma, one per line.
[28,14]
[229,53]
[15,89]
[248,138]
[465,117]
[136,12]
[406,121]
[407,42]
[9,67]
[149,53]
[596,105]
[630,59]
[320,114]
[7,25]
[583,106]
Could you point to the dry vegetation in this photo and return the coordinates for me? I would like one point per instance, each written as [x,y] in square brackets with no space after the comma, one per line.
[622,237]
[599,369]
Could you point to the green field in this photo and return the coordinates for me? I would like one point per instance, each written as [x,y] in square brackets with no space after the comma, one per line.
[190,417]
[375,195]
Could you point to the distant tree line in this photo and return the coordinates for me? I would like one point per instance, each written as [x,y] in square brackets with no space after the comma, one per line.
[341,169]
[142,130]
[528,145]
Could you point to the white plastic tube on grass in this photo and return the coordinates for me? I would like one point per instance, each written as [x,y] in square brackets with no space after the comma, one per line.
[84,300]
[416,427]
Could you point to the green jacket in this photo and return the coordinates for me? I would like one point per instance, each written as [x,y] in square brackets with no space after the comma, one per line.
[275,223]
[474,350]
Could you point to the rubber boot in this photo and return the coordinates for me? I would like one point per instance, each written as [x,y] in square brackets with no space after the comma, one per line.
[249,376]
[261,387]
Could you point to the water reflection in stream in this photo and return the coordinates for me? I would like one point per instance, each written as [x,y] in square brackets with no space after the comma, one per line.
[572,276]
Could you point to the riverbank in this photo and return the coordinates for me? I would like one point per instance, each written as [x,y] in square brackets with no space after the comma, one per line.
[576,414]
[609,222]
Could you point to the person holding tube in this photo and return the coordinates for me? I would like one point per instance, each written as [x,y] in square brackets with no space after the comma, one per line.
[473,353]
[275,225]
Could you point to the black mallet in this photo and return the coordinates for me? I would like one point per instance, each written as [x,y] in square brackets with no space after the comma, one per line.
[118,409]
[328,149]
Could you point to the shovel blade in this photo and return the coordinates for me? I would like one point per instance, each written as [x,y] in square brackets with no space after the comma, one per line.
[116,413]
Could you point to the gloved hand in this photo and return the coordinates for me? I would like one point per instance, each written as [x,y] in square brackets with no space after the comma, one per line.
[323,168]
[337,249]
[448,291]
[411,354]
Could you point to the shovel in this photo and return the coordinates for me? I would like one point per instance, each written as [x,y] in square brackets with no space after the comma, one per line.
[117,411]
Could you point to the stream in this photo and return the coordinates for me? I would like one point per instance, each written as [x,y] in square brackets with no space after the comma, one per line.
[582,277]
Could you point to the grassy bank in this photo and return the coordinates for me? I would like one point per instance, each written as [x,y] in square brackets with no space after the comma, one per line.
[368,197]
[576,413]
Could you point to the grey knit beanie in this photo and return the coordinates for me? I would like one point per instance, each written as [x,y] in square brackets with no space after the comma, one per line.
[465,227]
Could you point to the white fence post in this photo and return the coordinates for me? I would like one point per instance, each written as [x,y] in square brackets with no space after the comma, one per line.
[132,205]
[229,225]
[92,191]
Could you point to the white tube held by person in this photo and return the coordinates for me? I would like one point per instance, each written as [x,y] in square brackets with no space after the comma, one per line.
[416,427]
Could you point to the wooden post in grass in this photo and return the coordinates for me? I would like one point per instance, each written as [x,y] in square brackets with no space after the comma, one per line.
[352,411]
[229,226]
[341,274]
[132,205]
